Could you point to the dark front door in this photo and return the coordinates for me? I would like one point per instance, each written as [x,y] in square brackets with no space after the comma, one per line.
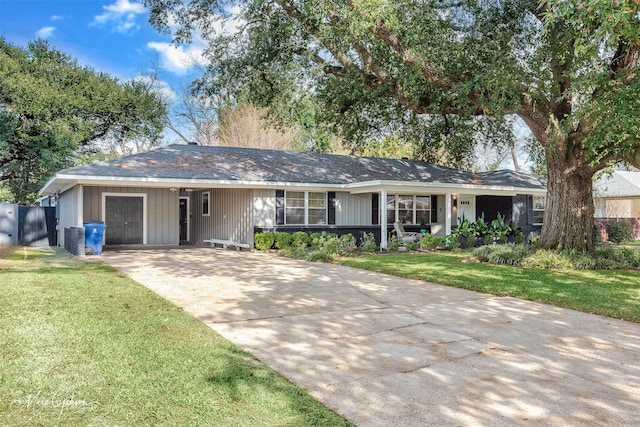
[494,205]
[123,220]
[184,220]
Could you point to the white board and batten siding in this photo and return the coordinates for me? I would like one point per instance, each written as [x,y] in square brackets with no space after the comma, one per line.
[353,209]
[70,215]
[264,208]
[162,213]
[230,215]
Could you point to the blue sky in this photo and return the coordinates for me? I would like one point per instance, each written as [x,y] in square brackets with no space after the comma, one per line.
[113,36]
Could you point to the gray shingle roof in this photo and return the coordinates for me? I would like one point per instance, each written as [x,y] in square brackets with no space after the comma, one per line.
[248,164]
[618,184]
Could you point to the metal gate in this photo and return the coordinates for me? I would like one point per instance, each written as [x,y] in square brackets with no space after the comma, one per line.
[27,225]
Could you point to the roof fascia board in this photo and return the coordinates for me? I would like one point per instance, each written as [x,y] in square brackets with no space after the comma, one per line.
[376,186]
[176,182]
[51,186]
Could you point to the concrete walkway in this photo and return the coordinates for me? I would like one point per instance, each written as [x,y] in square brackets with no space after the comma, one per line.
[386,351]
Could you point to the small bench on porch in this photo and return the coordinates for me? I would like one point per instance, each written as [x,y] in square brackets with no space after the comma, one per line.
[227,243]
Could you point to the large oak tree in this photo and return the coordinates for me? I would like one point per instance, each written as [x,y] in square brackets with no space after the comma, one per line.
[51,108]
[443,71]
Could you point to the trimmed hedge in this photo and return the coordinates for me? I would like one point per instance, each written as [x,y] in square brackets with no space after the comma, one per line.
[264,241]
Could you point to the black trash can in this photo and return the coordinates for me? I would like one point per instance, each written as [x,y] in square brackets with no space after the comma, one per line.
[93,233]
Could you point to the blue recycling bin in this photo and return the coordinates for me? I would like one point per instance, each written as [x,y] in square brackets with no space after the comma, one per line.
[93,232]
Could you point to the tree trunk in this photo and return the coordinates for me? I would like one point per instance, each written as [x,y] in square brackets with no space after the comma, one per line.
[568,217]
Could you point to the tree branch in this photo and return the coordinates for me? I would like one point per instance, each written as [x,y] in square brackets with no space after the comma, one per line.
[535,113]
[625,61]
[430,72]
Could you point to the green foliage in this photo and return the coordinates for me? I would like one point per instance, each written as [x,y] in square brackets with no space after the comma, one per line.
[283,240]
[318,255]
[52,108]
[441,76]
[547,260]
[5,194]
[622,257]
[503,254]
[528,256]
[316,239]
[453,242]
[429,241]
[499,228]
[368,243]
[347,245]
[392,147]
[464,229]
[264,241]
[518,233]
[608,293]
[413,246]
[300,240]
[324,246]
[393,244]
[331,244]
[465,233]
[481,226]
[82,332]
[620,232]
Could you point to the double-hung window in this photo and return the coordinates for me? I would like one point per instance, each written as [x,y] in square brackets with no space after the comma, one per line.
[539,205]
[317,208]
[409,209]
[305,208]
[423,210]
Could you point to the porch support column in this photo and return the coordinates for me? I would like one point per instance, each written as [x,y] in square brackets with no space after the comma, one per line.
[447,214]
[79,196]
[382,208]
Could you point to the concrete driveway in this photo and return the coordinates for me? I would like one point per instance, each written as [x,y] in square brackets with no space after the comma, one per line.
[386,351]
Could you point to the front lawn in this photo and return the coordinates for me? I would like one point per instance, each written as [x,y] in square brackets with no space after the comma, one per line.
[84,345]
[613,293]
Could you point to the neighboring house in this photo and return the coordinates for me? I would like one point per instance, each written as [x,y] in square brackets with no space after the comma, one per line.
[181,194]
[617,198]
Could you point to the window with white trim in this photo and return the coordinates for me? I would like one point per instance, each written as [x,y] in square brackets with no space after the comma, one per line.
[409,209]
[422,210]
[305,208]
[206,203]
[294,207]
[317,208]
[539,205]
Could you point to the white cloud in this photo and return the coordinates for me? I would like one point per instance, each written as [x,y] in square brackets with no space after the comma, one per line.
[124,6]
[160,87]
[178,59]
[57,17]
[232,24]
[121,15]
[45,32]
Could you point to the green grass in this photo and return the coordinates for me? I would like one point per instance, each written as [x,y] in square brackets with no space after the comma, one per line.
[613,293]
[84,345]
[635,243]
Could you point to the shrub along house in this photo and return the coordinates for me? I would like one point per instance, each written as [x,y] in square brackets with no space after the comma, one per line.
[186,194]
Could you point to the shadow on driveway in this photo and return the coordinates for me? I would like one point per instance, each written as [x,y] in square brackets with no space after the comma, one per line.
[382,350]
